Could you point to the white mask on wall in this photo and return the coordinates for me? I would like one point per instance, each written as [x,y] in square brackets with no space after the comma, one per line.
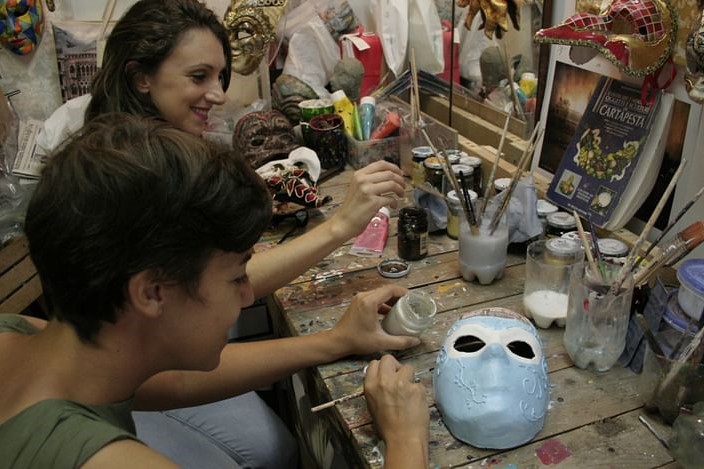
[491,379]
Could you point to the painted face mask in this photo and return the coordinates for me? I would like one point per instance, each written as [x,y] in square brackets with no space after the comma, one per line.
[251,26]
[21,25]
[264,136]
[638,36]
[694,76]
[491,380]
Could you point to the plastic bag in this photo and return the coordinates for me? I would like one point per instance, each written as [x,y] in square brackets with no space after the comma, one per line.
[312,55]
[425,36]
[392,28]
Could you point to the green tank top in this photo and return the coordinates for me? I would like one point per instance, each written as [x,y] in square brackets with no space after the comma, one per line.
[55,432]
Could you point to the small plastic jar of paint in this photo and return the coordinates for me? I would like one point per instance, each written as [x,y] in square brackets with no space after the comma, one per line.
[544,208]
[433,172]
[453,215]
[456,170]
[612,249]
[419,155]
[559,223]
[476,163]
[410,315]
[412,233]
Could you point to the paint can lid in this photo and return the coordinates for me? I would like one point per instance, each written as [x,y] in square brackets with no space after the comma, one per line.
[368,100]
[473,161]
[393,268]
[612,247]
[545,208]
[561,220]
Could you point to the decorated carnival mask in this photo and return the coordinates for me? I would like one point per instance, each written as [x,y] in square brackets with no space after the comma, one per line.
[495,14]
[21,25]
[694,76]
[251,26]
[264,136]
[638,36]
[491,380]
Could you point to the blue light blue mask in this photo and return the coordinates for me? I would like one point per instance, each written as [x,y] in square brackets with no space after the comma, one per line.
[491,380]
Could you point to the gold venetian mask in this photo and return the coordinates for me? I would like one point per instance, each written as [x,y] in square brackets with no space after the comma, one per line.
[251,26]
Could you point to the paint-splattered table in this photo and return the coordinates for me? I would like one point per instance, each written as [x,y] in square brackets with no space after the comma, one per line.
[592,419]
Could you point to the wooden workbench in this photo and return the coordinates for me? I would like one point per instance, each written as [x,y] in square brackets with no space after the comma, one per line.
[592,419]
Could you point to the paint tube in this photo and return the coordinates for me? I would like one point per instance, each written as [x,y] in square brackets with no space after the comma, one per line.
[371,242]
[366,114]
[391,123]
[345,108]
[357,124]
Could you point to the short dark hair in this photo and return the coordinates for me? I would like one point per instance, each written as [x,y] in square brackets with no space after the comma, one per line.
[144,37]
[131,194]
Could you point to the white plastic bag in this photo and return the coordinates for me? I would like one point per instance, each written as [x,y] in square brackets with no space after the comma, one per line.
[312,55]
[425,36]
[392,28]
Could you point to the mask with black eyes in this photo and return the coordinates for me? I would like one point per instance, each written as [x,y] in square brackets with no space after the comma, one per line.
[491,379]
[264,136]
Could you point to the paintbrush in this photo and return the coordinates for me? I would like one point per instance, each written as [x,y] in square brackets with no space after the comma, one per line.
[630,260]
[587,248]
[669,226]
[356,394]
[492,174]
[679,246]
[467,199]
[597,251]
[523,163]
[692,350]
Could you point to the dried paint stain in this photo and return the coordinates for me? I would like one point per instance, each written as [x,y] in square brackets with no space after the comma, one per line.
[552,452]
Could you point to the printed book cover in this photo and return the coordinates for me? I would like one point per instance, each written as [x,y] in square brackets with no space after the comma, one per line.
[597,166]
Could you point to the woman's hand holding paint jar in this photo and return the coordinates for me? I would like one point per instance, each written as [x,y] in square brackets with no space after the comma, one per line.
[400,412]
[371,188]
[359,331]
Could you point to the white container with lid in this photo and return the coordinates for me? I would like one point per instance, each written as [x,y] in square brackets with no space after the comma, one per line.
[690,295]
[560,223]
[501,184]
[410,315]
[610,247]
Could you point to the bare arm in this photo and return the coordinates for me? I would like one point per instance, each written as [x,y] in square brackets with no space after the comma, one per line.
[371,188]
[400,412]
[247,366]
[127,453]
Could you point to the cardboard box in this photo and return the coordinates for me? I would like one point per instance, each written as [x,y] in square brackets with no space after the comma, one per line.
[361,153]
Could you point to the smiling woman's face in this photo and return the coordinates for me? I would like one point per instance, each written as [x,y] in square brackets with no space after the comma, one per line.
[20,25]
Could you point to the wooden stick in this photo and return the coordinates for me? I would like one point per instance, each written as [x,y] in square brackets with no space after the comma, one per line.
[526,157]
[630,260]
[492,174]
[414,89]
[587,247]
[339,400]
[669,226]
[359,393]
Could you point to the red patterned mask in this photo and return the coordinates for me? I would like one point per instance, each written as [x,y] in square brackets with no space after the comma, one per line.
[638,36]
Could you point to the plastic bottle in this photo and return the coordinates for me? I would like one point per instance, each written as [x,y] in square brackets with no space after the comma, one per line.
[373,239]
[345,108]
[366,114]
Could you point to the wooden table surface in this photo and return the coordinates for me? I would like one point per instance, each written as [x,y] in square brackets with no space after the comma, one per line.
[592,419]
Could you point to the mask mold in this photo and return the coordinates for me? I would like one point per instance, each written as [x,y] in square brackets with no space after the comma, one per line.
[491,380]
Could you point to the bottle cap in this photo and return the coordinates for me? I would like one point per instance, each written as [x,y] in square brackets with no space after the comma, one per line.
[545,208]
[433,163]
[467,170]
[393,268]
[472,161]
[502,183]
[452,195]
[368,100]
[562,246]
[561,220]
[612,247]
[337,95]
[385,210]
